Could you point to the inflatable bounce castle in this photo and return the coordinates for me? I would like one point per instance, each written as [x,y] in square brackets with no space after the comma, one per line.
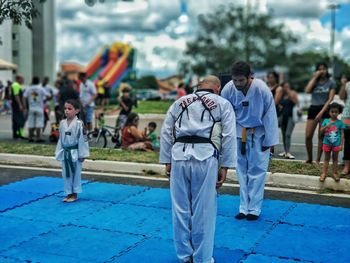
[111,64]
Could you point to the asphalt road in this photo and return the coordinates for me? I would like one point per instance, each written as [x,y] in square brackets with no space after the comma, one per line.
[8,175]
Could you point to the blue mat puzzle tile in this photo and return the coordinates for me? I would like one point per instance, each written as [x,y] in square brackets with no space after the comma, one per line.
[43,257]
[4,259]
[160,251]
[140,219]
[155,197]
[10,199]
[52,209]
[305,243]
[16,230]
[224,255]
[228,205]
[254,258]
[152,250]
[320,216]
[238,234]
[39,184]
[81,244]
[132,219]
[110,192]
[274,210]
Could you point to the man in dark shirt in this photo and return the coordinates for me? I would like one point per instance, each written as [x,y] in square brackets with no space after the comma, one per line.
[66,91]
[18,108]
[126,103]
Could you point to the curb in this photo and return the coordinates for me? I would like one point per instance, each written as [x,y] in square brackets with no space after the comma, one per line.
[283,180]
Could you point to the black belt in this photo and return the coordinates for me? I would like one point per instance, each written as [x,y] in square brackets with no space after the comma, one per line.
[192,139]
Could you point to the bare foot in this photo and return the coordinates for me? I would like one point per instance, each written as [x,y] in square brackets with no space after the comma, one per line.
[344,172]
[72,198]
[66,198]
[336,177]
[323,178]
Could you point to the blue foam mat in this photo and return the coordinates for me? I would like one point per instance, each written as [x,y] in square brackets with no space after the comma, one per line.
[320,216]
[306,243]
[254,258]
[110,192]
[138,219]
[10,199]
[15,230]
[239,234]
[152,250]
[80,244]
[155,197]
[146,221]
[42,185]
[52,209]
[4,259]
[160,251]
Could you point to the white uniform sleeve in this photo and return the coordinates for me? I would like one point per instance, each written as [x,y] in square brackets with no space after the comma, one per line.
[229,140]
[270,121]
[83,146]
[167,137]
[25,93]
[93,89]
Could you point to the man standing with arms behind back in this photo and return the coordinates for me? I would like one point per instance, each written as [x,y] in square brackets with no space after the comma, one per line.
[198,129]
[257,131]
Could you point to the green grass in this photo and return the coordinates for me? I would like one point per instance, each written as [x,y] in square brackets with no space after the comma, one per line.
[154,107]
[95,153]
[144,107]
[276,166]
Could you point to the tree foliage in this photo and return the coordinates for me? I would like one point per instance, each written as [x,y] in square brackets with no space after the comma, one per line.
[302,66]
[230,33]
[145,82]
[19,11]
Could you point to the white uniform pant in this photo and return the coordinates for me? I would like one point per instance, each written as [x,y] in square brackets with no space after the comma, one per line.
[72,184]
[194,207]
[251,173]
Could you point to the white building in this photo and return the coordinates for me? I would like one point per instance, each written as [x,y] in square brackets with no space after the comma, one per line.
[34,51]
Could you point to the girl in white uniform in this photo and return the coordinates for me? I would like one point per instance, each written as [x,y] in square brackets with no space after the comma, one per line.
[72,148]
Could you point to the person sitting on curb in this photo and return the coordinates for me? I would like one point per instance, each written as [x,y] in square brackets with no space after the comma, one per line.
[132,137]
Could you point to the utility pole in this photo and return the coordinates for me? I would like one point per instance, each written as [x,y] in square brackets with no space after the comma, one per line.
[333,7]
[247,30]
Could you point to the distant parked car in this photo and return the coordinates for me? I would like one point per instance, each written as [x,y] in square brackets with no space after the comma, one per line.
[147,94]
[172,95]
[304,100]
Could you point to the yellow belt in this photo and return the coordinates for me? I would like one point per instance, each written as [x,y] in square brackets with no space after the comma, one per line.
[244,139]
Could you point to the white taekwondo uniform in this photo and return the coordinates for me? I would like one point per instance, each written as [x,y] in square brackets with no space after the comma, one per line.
[254,110]
[71,146]
[185,143]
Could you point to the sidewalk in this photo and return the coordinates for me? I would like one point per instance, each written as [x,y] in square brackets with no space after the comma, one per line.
[284,180]
[123,223]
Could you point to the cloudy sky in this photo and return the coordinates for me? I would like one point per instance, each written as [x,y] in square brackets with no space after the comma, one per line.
[159,29]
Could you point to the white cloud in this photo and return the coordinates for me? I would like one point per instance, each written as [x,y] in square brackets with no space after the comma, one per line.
[155,29]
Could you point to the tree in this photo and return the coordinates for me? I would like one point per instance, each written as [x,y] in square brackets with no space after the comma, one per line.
[230,33]
[145,82]
[19,11]
[302,66]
